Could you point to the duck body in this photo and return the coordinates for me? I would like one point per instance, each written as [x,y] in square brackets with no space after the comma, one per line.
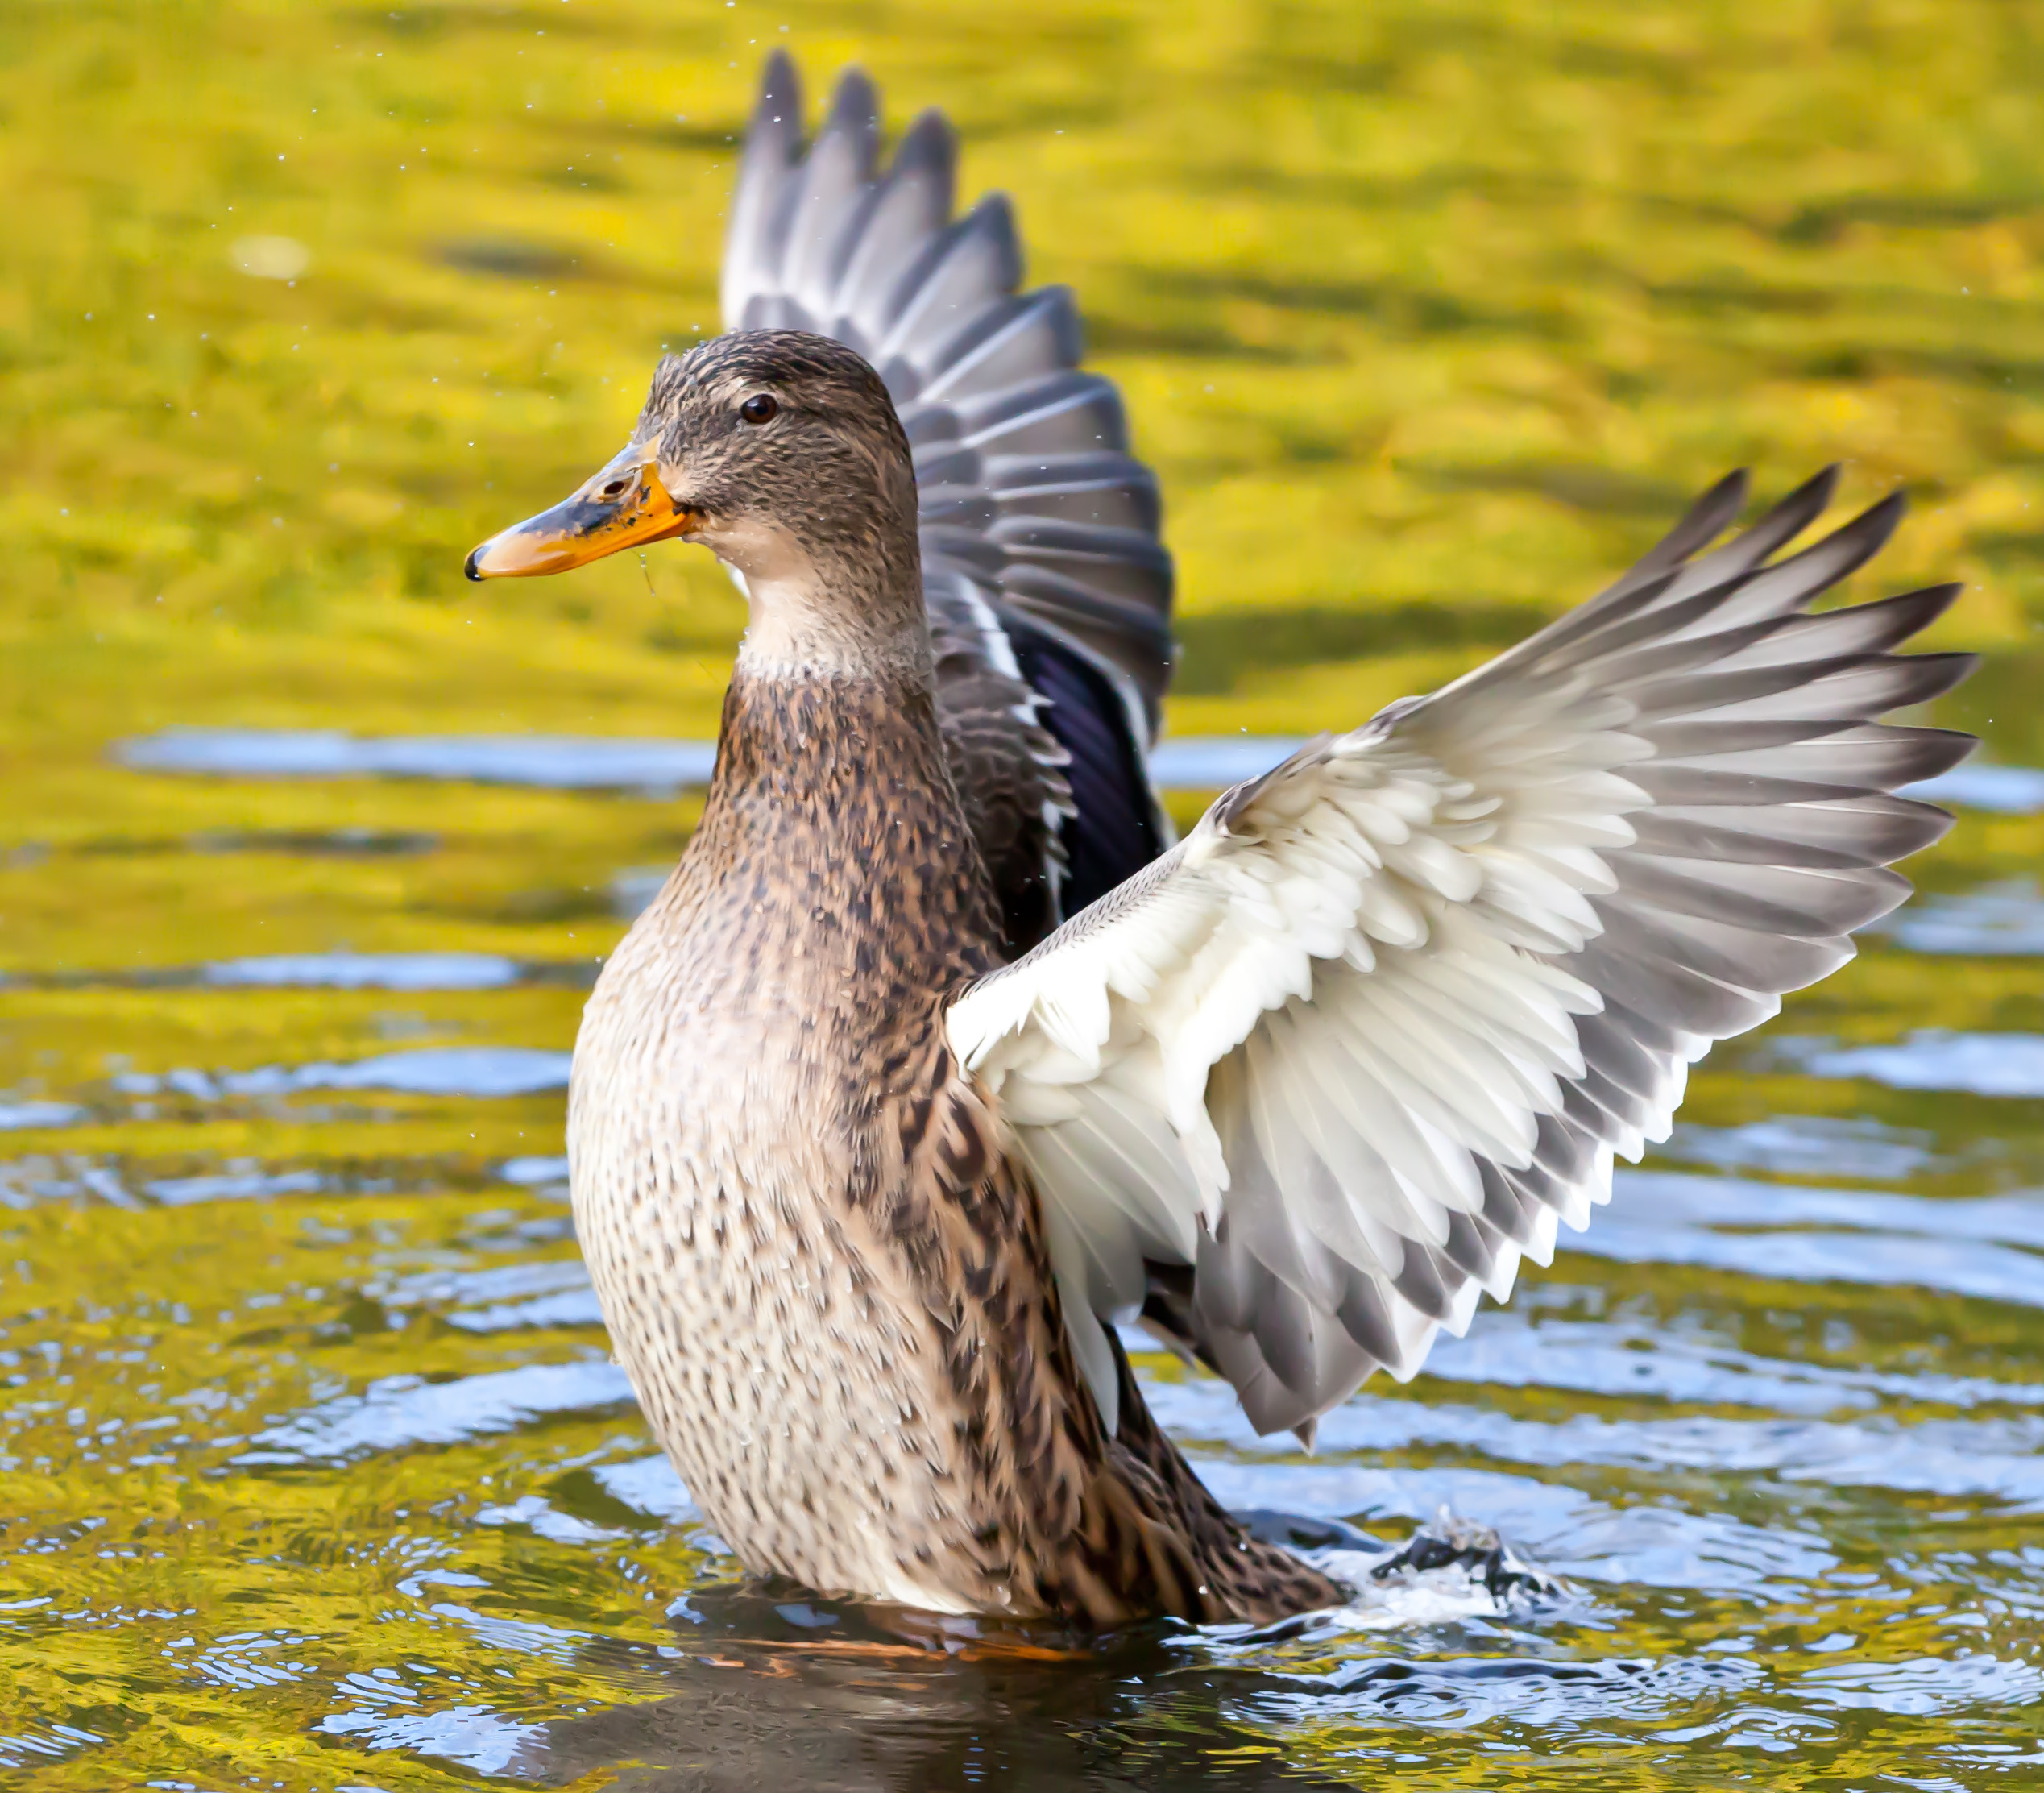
[814,1244]
[937,1061]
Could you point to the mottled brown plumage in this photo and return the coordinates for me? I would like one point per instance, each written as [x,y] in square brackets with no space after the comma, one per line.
[821,1261]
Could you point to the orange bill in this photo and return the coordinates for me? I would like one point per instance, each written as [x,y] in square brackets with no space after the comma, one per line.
[624,506]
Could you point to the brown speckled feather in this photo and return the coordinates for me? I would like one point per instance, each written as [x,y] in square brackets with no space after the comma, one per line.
[822,1263]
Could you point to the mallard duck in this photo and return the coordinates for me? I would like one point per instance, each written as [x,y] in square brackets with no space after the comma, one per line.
[936,1060]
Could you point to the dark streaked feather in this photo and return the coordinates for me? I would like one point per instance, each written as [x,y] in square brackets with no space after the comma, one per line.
[1113,833]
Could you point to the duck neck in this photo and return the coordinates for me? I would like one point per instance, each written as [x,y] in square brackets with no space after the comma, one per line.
[830,725]
[833,803]
[830,744]
[801,632]
[840,600]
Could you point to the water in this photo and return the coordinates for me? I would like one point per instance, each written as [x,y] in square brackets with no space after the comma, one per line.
[314,1472]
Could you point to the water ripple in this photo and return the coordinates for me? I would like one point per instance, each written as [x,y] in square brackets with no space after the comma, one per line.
[2001,1460]
[401,1411]
[598,762]
[1563,1530]
[179,1191]
[414,971]
[506,1297]
[1506,1348]
[1828,1146]
[2003,918]
[21,1116]
[1539,1693]
[481,1071]
[1922,1684]
[1912,1241]
[562,762]
[477,1738]
[1981,1064]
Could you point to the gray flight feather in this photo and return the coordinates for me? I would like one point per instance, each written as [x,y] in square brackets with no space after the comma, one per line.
[1769,822]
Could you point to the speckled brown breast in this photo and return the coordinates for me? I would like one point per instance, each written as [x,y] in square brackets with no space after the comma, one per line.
[819,1264]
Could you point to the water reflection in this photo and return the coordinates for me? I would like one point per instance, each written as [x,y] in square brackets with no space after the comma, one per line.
[759,1687]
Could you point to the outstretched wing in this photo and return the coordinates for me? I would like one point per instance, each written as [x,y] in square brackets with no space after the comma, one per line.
[1049,591]
[1366,1036]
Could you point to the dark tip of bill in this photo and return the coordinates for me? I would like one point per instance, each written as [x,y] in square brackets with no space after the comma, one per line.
[468,566]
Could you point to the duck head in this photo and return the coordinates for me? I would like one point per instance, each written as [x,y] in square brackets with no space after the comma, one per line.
[781,452]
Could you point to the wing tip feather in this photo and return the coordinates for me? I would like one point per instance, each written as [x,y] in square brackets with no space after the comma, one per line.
[777,119]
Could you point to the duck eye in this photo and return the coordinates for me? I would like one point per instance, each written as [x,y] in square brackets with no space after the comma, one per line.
[761,407]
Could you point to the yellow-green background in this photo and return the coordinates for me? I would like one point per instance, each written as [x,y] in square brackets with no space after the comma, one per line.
[1429,315]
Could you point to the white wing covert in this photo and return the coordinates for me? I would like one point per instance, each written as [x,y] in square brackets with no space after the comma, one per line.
[1378,1025]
